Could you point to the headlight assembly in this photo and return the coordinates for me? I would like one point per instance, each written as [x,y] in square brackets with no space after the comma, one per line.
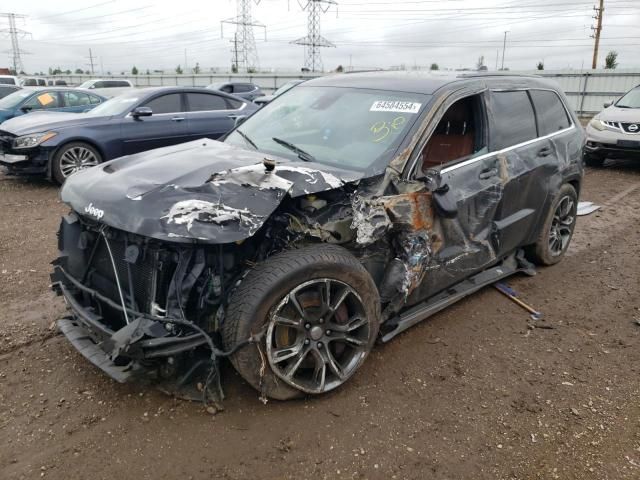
[597,124]
[33,140]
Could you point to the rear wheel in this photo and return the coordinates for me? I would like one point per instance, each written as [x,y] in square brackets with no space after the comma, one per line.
[318,310]
[72,158]
[556,233]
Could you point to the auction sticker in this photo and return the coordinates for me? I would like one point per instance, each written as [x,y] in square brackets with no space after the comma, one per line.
[395,106]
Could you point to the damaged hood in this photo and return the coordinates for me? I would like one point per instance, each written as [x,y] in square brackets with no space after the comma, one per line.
[204,190]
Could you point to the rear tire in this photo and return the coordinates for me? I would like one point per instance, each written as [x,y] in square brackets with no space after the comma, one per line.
[72,158]
[557,230]
[318,312]
[592,160]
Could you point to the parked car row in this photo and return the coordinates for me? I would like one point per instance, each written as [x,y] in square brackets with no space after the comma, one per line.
[60,144]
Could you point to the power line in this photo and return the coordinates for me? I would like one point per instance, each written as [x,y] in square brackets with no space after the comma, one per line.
[15,33]
[245,54]
[313,42]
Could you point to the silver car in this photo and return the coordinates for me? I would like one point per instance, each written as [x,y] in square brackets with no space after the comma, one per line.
[615,132]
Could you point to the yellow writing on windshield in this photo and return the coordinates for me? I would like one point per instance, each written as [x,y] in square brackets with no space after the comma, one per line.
[382,129]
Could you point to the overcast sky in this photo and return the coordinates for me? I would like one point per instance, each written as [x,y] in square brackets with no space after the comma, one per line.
[153,34]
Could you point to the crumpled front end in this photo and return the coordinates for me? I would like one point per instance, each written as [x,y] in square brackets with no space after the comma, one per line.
[130,299]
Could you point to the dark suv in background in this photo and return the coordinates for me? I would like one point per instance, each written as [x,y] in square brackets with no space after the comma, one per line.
[345,211]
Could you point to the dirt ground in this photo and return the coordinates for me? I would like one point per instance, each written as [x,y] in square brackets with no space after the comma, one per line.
[472,393]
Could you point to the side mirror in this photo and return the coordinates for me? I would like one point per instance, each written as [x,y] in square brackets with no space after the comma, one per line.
[607,104]
[26,109]
[237,119]
[141,112]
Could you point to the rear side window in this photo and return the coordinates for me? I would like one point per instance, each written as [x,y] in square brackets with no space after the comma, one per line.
[200,102]
[99,85]
[165,104]
[550,112]
[243,87]
[514,121]
[233,104]
[75,99]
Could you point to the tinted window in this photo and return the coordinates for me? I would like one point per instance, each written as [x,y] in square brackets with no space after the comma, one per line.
[243,87]
[76,99]
[98,85]
[42,82]
[7,81]
[165,104]
[199,102]
[233,104]
[513,119]
[4,91]
[551,114]
[30,82]
[116,83]
[43,101]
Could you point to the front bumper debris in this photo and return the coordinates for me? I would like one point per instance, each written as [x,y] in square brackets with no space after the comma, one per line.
[137,344]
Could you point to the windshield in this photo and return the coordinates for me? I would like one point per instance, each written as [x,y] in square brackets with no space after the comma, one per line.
[350,128]
[15,99]
[630,100]
[285,87]
[117,105]
[86,84]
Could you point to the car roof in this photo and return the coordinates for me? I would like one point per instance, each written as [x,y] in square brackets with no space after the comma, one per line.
[423,82]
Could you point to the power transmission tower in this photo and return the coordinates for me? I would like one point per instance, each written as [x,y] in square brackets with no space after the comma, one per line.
[313,42]
[245,54]
[15,33]
[91,61]
[597,29]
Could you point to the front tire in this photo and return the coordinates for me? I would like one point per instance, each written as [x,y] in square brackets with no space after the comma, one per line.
[557,231]
[318,312]
[72,158]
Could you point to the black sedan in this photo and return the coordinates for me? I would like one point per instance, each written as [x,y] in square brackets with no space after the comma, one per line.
[60,144]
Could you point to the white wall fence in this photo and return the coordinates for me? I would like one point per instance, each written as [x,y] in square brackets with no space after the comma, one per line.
[587,90]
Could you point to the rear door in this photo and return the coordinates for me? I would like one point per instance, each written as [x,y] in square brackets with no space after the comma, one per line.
[210,115]
[166,126]
[523,124]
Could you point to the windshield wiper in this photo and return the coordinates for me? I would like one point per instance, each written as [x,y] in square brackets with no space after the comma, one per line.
[247,139]
[623,106]
[302,155]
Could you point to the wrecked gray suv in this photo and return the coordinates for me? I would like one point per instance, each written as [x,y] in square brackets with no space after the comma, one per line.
[344,212]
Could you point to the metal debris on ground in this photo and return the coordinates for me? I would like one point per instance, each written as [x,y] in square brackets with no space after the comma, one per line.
[513,296]
[585,208]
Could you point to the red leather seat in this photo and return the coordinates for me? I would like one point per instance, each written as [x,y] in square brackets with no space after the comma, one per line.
[453,138]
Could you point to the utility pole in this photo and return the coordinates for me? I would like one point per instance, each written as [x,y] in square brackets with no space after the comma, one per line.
[504,47]
[185,60]
[15,33]
[597,29]
[91,61]
[245,51]
[314,41]
[497,53]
